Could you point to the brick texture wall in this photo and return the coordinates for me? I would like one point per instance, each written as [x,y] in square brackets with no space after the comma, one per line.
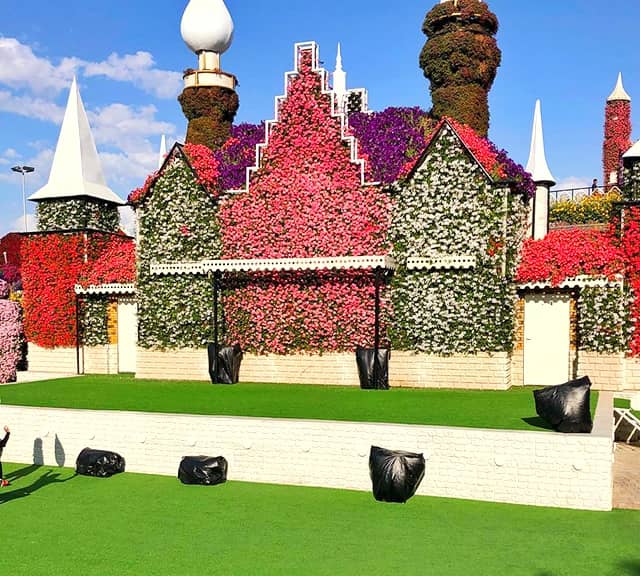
[538,468]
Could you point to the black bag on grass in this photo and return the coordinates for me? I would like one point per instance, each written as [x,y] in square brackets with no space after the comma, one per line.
[99,463]
[372,375]
[224,363]
[567,406]
[395,474]
[204,470]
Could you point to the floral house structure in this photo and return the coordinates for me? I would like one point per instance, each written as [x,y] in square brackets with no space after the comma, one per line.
[327,229]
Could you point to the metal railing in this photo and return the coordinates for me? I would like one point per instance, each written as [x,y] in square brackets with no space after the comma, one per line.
[576,194]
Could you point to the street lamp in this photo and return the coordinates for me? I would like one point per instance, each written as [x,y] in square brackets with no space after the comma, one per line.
[24,170]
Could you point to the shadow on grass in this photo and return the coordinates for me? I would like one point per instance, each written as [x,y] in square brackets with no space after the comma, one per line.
[49,477]
[538,422]
[631,567]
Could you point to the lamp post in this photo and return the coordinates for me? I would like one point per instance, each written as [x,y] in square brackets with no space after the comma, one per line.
[24,170]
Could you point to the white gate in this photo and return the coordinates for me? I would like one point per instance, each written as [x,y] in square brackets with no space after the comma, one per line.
[547,339]
[127,334]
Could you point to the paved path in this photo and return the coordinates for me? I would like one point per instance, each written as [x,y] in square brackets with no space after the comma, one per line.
[626,476]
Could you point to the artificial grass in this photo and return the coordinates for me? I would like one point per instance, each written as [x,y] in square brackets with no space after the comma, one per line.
[624,403]
[511,410]
[56,523]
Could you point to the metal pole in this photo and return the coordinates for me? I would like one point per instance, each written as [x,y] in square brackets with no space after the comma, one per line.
[24,204]
[376,341]
[215,325]
[77,334]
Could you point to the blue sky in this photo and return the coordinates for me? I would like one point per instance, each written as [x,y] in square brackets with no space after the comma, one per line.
[129,55]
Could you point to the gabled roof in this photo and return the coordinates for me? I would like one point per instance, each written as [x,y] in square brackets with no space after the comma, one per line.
[76,170]
[446,122]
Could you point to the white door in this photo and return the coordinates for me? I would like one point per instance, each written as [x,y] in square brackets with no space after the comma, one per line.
[127,335]
[547,339]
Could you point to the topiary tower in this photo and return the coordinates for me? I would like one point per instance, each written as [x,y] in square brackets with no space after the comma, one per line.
[617,133]
[461,58]
[209,100]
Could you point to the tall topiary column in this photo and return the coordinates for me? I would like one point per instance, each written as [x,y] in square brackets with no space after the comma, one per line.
[209,100]
[210,111]
[460,59]
[617,133]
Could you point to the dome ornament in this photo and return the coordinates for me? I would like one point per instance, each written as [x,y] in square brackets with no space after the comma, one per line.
[207,29]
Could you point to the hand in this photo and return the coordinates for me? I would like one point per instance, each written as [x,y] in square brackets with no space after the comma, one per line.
[6,429]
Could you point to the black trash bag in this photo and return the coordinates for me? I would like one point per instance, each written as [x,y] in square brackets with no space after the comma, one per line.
[224,363]
[100,463]
[204,470]
[567,406]
[395,474]
[372,376]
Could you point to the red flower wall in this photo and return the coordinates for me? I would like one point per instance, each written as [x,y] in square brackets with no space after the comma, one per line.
[306,200]
[52,264]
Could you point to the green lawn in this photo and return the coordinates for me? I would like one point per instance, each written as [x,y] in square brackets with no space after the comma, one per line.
[623,403]
[514,410]
[56,524]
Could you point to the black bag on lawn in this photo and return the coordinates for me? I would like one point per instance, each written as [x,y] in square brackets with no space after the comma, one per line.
[224,363]
[567,406]
[373,377]
[100,463]
[395,474]
[204,470]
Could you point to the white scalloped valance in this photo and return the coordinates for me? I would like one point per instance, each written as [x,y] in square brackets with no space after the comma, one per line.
[576,282]
[275,264]
[106,289]
[443,262]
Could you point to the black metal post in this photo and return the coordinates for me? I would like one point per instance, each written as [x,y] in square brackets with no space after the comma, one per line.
[77,334]
[216,287]
[376,339]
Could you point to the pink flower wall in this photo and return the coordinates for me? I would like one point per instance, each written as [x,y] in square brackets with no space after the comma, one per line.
[305,200]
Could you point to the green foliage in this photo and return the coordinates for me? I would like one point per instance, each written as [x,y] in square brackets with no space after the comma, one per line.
[604,324]
[632,180]
[178,222]
[94,322]
[450,207]
[596,208]
[78,213]
[210,111]
[461,58]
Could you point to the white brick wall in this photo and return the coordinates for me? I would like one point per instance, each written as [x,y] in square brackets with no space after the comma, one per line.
[406,369]
[606,371]
[539,468]
[94,359]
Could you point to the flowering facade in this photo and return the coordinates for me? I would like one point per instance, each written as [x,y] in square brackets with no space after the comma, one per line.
[450,206]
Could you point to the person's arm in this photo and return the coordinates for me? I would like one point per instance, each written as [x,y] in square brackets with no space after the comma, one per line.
[7,433]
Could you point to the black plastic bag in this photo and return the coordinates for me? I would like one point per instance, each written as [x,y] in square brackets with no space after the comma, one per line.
[373,375]
[204,470]
[395,474]
[566,407]
[224,363]
[99,463]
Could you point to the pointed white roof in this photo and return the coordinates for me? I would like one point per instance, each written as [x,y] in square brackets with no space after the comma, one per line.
[339,77]
[537,164]
[76,169]
[619,93]
[163,151]
[633,152]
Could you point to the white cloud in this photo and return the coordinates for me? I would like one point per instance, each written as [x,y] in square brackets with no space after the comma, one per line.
[138,69]
[20,68]
[128,220]
[572,182]
[17,225]
[125,126]
[30,107]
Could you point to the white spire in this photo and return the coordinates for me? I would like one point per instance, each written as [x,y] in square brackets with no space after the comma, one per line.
[537,164]
[207,26]
[340,81]
[76,169]
[163,151]
[619,93]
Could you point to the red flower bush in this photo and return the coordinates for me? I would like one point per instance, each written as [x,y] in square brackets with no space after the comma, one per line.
[115,265]
[306,200]
[617,137]
[564,254]
[206,166]
[52,264]
[631,247]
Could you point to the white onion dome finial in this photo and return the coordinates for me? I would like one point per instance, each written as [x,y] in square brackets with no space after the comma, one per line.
[619,93]
[207,26]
